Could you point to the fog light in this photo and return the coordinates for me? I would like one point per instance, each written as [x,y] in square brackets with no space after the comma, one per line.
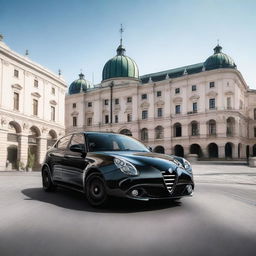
[189,189]
[135,192]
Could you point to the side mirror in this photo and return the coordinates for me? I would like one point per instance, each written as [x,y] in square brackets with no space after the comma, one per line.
[77,148]
[150,149]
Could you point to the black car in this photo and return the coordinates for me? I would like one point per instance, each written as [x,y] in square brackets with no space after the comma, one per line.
[102,165]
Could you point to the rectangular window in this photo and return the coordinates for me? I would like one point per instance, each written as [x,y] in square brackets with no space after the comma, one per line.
[89,104]
[74,121]
[129,118]
[16,99]
[158,93]
[177,90]
[129,99]
[159,112]
[105,102]
[106,119]
[74,105]
[52,113]
[194,107]
[89,121]
[193,88]
[212,84]
[36,83]
[177,109]
[211,103]
[16,73]
[35,107]
[228,102]
[53,90]
[144,114]
[144,96]
[116,101]
[116,118]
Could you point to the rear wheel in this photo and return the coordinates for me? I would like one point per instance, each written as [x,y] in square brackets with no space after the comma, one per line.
[48,186]
[96,191]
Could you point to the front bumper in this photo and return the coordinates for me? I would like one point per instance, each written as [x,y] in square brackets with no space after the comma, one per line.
[151,184]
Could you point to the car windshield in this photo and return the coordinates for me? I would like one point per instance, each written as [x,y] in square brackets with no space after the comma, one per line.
[113,142]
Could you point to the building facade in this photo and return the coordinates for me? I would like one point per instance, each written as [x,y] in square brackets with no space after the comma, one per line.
[31,109]
[205,109]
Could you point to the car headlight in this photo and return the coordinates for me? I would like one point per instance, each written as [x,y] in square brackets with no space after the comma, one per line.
[126,167]
[187,164]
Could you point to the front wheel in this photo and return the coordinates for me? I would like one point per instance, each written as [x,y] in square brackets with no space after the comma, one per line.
[48,186]
[95,190]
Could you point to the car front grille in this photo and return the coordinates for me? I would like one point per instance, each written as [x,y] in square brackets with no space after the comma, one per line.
[169,180]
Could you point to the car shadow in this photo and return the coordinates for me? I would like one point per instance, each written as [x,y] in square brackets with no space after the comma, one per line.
[76,201]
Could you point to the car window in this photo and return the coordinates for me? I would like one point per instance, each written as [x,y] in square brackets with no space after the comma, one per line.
[116,142]
[78,139]
[63,142]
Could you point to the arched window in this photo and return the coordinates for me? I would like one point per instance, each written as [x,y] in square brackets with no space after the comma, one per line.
[194,128]
[212,127]
[126,132]
[159,132]
[144,134]
[230,126]
[177,130]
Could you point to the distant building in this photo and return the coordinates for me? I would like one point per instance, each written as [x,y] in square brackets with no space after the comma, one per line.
[205,108]
[31,109]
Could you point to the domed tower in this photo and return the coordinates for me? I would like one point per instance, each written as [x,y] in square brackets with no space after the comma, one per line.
[79,85]
[120,66]
[219,60]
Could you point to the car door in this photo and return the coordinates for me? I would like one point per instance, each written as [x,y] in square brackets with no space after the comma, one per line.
[74,163]
[57,156]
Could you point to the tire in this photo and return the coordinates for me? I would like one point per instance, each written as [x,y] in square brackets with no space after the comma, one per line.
[48,186]
[96,190]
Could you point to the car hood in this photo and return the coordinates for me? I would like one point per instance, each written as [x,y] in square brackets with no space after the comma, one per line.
[159,161]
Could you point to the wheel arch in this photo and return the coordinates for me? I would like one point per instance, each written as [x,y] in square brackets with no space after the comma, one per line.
[91,170]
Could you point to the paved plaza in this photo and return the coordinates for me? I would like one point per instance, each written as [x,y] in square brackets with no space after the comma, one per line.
[218,220]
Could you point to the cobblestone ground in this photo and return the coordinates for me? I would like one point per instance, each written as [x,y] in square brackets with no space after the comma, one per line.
[224,174]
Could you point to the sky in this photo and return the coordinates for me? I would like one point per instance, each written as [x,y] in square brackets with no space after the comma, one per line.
[158,34]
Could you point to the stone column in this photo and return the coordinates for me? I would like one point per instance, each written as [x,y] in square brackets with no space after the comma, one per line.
[3,149]
[204,151]
[221,151]
[23,149]
[235,151]
[186,150]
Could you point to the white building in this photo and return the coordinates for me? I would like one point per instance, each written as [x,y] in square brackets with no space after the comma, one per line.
[31,108]
[205,108]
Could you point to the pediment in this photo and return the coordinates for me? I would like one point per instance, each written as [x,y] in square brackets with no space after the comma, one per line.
[17,86]
[105,111]
[128,109]
[159,103]
[36,94]
[194,97]
[74,113]
[89,111]
[117,107]
[177,100]
[144,105]
[212,94]
[229,93]
[53,102]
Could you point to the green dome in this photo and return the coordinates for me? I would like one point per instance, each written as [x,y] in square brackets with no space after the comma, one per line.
[120,66]
[219,60]
[79,85]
